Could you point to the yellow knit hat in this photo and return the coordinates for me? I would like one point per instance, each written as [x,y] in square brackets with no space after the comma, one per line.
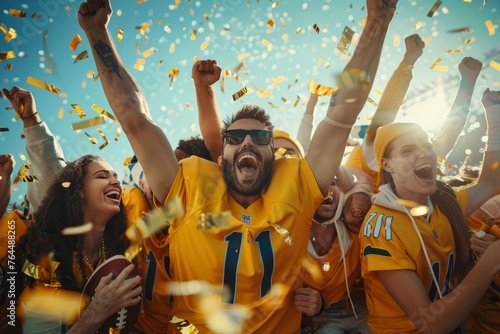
[386,135]
[285,135]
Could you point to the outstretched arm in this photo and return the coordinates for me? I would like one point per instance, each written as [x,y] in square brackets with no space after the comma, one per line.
[44,152]
[393,95]
[407,290]
[307,123]
[328,143]
[205,73]
[148,141]
[469,70]
[489,178]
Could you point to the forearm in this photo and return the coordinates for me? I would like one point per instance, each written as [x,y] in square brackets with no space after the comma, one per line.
[210,119]
[446,314]
[47,159]
[148,141]
[455,121]
[121,90]
[305,131]
[393,96]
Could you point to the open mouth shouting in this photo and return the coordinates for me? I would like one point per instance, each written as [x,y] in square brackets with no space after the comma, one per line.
[425,172]
[247,163]
[114,195]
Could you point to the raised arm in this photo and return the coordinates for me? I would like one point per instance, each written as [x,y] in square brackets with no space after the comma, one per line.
[393,95]
[307,123]
[489,178]
[452,127]
[44,152]
[328,143]
[205,73]
[148,141]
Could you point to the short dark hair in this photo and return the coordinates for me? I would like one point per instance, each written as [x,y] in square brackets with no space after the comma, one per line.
[249,111]
[195,146]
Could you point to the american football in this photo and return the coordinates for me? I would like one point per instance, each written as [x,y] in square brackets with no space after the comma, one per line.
[125,319]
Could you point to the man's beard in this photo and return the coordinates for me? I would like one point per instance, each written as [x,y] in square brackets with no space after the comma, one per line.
[229,171]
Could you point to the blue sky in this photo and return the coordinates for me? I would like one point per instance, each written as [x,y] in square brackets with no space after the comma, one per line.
[229,29]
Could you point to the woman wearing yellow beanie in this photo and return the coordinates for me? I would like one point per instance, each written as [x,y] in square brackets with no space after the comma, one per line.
[417,263]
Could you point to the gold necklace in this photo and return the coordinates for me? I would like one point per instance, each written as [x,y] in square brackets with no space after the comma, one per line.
[102,254]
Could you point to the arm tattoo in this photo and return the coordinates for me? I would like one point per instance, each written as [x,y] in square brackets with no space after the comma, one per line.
[104,51]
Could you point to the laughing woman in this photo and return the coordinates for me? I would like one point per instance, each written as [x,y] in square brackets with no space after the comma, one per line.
[418,268]
[85,191]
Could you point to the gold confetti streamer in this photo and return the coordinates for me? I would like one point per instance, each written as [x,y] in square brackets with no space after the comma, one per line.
[213,220]
[362,23]
[103,112]
[270,23]
[240,93]
[273,105]
[127,161]
[158,218]
[149,52]
[243,56]
[203,45]
[371,101]
[172,48]
[82,55]
[118,131]
[88,123]
[420,210]
[321,90]
[464,30]
[495,65]
[434,8]
[17,12]
[119,37]
[277,81]
[268,44]
[298,31]
[490,27]
[7,55]
[106,142]
[345,40]
[24,176]
[468,41]
[36,15]
[279,152]
[441,68]
[418,25]
[47,301]
[436,63]
[193,35]
[79,110]
[8,67]
[275,4]
[43,85]
[284,99]
[316,28]
[172,74]
[90,138]
[75,42]
[9,35]
[283,232]
[4,129]
[144,27]
[100,73]
[68,8]
[76,230]
[296,101]
[352,78]
[453,51]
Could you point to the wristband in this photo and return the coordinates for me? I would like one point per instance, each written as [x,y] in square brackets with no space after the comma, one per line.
[23,118]
[337,124]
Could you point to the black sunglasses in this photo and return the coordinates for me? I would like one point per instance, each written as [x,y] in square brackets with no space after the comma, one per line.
[259,137]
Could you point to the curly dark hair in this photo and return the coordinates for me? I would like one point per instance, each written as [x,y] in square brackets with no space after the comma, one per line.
[63,207]
[250,111]
[194,146]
